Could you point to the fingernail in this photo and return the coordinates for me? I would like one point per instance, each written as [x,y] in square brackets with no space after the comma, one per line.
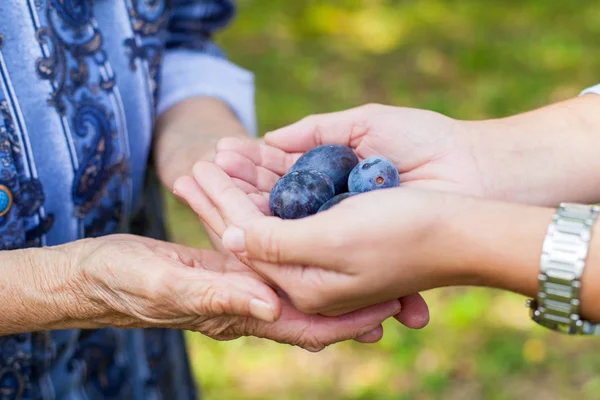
[262,310]
[234,239]
[175,192]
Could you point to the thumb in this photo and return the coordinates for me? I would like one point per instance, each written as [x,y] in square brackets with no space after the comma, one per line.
[315,130]
[211,293]
[307,241]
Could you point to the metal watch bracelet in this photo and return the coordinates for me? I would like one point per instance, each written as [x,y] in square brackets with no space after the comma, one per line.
[562,262]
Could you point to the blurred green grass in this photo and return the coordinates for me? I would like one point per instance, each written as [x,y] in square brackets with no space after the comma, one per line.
[468,59]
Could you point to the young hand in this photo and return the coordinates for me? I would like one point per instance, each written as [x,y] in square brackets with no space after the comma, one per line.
[220,203]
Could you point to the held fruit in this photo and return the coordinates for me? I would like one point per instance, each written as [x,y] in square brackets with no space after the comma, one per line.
[373,173]
[334,160]
[299,194]
[336,200]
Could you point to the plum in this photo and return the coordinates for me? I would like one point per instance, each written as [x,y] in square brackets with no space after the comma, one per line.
[373,173]
[334,160]
[336,200]
[299,194]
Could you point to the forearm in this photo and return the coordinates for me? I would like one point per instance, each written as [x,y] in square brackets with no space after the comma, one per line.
[188,132]
[499,245]
[544,156]
[38,290]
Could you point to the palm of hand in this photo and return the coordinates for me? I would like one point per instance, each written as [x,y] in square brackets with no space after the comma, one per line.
[148,283]
[430,151]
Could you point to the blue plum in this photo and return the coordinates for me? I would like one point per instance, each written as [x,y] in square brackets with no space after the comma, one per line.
[336,200]
[373,173]
[299,194]
[334,160]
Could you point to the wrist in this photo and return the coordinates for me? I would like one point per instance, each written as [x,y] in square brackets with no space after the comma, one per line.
[514,160]
[188,132]
[40,290]
[542,157]
[590,279]
[449,242]
[497,245]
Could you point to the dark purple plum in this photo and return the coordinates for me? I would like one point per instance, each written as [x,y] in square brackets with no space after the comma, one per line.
[299,194]
[373,173]
[336,200]
[334,160]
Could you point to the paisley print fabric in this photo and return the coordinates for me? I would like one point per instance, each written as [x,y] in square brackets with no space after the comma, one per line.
[80,83]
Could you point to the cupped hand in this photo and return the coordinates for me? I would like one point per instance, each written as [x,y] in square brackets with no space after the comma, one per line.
[130,281]
[430,150]
[311,284]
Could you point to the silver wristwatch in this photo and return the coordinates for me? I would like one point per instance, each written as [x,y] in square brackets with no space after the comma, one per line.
[561,266]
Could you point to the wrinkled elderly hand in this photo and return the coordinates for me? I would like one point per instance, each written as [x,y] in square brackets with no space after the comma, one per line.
[130,281]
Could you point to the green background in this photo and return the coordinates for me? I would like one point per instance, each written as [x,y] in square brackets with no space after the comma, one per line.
[469,59]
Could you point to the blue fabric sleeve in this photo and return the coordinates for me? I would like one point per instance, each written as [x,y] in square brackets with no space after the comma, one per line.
[194,66]
[593,89]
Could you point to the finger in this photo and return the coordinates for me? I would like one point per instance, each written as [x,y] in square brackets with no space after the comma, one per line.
[206,293]
[288,278]
[415,313]
[262,202]
[215,240]
[271,158]
[189,190]
[210,260]
[409,180]
[315,240]
[233,205]
[240,167]
[318,331]
[343,127]
[372,337]
[245,186]
[200,258]
[249,148]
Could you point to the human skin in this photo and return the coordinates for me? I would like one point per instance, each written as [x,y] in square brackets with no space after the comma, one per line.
[542,157]
[497,159]
[191,132]
[412,240]
[130,281]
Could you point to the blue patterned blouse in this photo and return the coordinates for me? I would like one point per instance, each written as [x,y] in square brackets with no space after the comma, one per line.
[81,82]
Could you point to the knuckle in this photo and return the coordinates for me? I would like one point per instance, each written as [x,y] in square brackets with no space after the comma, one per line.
[309,120]
[221,329]
[215,300]
[197,169]
[371,107]
[306,301]
[225,143]
[210,301]
[317,295]
[311,342]
[313,294]
[313,124]
[314,347]
[270,246]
